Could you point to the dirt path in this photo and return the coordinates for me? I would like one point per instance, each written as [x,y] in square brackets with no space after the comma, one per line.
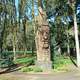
[74,75]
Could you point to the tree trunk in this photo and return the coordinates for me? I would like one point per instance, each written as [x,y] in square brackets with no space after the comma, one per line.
[14,43]
[68,47]
[25,32]
[76,40]
[14,48]
[43,41]
[14,51]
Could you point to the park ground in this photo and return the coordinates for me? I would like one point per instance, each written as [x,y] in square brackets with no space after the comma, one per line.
[73,74]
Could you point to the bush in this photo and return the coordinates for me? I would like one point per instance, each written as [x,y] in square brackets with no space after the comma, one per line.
[26,69]
[37,69]
[4,63]
[31,69]
[26,61]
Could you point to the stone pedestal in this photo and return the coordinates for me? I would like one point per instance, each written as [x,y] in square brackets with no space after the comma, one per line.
[45,65]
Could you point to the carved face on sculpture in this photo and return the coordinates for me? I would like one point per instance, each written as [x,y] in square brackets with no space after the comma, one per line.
[45,36]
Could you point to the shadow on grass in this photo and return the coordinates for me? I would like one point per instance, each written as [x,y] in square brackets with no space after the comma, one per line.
[73,61]
[10,69]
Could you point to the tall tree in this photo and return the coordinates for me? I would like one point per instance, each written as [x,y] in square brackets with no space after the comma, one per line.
[42,39]
[72,4]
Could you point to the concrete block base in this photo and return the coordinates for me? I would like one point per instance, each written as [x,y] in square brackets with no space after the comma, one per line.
[46,65]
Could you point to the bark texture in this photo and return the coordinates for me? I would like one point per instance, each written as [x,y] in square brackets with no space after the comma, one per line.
[43,41]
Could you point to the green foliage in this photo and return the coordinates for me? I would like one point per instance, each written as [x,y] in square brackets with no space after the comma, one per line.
[21,32]
[6,59]
[6,63]
[17,52]
[31,69]
[26,61]
[26,69]
[37,69]
[61,63]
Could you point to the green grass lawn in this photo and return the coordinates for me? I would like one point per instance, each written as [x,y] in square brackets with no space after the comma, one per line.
[62,63]
[25,61]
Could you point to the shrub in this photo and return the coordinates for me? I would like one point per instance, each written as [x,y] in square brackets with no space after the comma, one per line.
[31,69]
[26,61]
[26,69]
[37,69]
[61,64]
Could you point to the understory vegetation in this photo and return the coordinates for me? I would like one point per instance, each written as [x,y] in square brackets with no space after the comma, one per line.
[39,30]
[60,63]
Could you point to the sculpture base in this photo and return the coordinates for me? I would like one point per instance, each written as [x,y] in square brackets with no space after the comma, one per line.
[46,65]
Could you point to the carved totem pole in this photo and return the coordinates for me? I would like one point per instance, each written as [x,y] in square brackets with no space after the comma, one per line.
[43,41]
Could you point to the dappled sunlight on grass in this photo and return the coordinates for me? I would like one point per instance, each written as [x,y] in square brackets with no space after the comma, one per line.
[62,64]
